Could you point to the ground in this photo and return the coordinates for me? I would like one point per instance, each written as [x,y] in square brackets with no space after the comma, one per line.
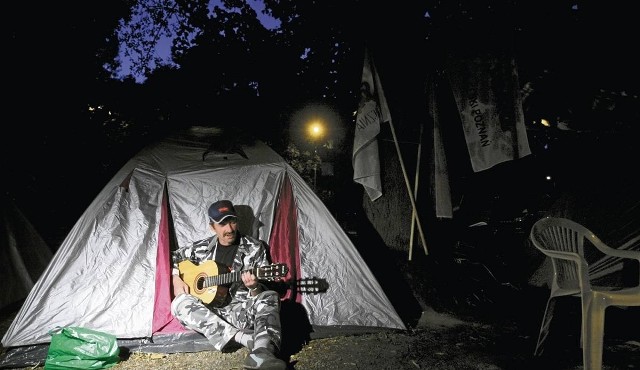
[439,341]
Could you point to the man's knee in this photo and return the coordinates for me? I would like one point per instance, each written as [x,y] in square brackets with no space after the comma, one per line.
[271,296]
[179,302]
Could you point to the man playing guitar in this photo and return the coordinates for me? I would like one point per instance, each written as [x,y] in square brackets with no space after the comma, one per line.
[243,311]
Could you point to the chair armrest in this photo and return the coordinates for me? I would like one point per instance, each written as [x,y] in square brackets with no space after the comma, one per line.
[564,255]
[623,253]
[583,268]
[604,248]
[619,253]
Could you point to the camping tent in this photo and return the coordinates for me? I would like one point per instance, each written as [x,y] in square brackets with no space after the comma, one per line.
[24,254]
[111,272]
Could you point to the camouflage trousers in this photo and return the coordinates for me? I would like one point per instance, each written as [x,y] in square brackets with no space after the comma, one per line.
[258,316]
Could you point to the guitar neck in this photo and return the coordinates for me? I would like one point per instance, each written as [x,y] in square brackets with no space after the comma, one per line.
[223,279]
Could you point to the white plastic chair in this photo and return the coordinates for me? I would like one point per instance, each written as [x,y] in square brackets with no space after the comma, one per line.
[567,243]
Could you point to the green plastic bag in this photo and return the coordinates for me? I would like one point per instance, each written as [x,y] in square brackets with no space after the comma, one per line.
[81,348]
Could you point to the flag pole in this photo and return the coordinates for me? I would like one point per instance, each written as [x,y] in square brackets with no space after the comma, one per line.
[385,115]
[415,191]
[406,181]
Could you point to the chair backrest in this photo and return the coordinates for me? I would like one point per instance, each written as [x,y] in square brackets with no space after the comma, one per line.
[564,241]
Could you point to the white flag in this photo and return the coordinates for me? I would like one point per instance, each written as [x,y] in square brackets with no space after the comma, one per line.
[487,94]
[440,175]
[372,111]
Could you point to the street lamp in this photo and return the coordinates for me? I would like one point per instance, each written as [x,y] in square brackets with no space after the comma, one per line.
[316,132]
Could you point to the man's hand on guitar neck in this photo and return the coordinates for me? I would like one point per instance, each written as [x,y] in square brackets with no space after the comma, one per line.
[251,282]
[179,286]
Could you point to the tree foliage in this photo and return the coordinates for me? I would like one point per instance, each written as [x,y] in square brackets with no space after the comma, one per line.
[229,70]
[55,57]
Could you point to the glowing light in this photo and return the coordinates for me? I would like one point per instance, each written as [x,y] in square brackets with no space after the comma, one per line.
[545,123]
[316,130]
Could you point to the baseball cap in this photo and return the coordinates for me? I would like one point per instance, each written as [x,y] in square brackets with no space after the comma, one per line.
[220,210]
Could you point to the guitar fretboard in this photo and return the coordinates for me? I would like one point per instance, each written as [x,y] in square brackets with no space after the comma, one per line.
[227,278]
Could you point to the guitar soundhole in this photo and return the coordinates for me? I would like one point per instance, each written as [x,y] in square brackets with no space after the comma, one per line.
[200,284]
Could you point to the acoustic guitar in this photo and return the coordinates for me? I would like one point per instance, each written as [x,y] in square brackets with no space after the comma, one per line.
[210,280]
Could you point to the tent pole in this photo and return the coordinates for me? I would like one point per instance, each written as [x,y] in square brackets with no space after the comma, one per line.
[406,181]
[415,191]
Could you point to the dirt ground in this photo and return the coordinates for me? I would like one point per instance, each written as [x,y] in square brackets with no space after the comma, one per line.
[438,341]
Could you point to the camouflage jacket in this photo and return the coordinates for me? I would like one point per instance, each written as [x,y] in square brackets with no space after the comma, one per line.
[251,253]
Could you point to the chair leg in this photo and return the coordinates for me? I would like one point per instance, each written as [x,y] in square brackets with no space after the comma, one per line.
[593,333]
[544,328]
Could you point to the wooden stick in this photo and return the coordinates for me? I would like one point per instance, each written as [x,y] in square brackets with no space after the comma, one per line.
[406,181]
[415,191]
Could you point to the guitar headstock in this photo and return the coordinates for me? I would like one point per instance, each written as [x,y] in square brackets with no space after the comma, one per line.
[311,285]
[299,286]
[273,272]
